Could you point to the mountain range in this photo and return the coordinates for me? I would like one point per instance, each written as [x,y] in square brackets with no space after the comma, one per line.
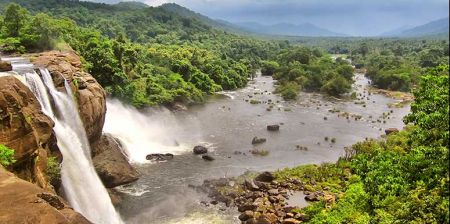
[433,28]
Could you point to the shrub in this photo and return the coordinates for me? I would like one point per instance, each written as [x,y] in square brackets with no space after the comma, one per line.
[53,171]
[6,156]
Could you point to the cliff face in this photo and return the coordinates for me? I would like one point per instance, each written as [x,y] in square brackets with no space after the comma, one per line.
[24,202]
[26,129]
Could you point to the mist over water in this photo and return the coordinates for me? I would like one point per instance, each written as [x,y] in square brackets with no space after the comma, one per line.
[145,132]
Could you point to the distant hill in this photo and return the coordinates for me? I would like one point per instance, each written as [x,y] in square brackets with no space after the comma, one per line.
[287,29]
[396,32]
[132,5]
[187,13]
[434,28]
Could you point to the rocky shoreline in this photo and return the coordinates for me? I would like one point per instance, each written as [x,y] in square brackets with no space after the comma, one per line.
[262,199]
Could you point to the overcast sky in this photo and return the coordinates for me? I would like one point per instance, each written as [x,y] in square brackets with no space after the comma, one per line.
[353,17]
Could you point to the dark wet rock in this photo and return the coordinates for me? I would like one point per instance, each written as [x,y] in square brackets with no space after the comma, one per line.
[314,196]
[265,177]
[159,157]
[274,127]
[247,207]
[391,131]
[246,215]
[257,140]
[111,163]
[198,150]
[208,158]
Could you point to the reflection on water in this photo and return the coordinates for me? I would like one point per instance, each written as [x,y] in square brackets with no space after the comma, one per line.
[229,123]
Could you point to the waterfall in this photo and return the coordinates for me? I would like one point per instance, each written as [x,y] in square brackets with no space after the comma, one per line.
[82,186]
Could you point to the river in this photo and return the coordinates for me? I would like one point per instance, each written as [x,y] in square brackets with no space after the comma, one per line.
[227,123]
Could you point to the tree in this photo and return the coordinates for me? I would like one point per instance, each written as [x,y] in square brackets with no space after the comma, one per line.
[14,21]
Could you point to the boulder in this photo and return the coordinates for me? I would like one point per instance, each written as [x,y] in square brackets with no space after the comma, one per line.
[391,131]
[24,202]
[208,158]
[5,66]
[265,177]
[274,127]
[111,164]
[257,140]
[157,157]
[198,150]
[246,215]
[90,95]
[26,129]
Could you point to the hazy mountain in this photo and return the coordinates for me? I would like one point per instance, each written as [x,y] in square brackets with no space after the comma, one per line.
[396,32]
[305,29]
[437,27]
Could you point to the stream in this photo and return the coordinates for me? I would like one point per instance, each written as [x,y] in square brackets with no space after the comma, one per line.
[226,124]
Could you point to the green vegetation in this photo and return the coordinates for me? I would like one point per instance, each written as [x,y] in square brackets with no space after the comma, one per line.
[143,55]
[403,178]
[53,171]
[300,68]
[395,64]
[6,156]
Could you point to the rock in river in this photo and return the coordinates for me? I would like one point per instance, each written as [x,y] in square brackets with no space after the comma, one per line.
[5,66]
[274,127]
[208,158]
[265,177]
[257,140]
[198,150]
[159,157]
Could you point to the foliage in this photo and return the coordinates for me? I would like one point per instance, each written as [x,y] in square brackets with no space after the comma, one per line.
[6,156]
[403,178]
[301,68]
[143,55]
[53,171]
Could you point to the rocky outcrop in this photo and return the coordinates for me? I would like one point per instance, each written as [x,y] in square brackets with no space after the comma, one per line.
[90,95]
[111,164]
[26,129]
[24,202]
[5,66]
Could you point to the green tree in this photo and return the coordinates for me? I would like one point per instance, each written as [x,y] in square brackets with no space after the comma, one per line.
[15,18]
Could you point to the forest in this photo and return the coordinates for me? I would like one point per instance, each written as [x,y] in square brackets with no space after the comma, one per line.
[150,56]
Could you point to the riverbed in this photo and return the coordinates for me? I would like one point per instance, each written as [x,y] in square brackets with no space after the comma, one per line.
[226,124]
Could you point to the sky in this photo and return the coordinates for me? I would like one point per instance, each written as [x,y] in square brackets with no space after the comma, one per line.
[352,17]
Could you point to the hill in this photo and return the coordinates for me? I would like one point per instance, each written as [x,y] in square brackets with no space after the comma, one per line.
[287,29]
[437,27]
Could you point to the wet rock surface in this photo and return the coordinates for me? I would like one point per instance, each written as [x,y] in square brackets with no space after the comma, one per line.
[111,164]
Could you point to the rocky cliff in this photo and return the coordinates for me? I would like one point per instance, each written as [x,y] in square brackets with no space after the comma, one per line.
[24,202]
[26,129]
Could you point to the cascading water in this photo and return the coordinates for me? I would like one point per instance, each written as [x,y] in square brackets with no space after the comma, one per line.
[82,186]
[144,133]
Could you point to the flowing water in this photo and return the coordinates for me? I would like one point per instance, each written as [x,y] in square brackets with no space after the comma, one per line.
[81,184]
[227,124]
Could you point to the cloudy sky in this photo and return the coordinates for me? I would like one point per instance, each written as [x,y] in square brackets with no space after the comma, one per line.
[353,17]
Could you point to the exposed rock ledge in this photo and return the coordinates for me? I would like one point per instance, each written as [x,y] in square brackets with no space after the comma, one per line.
[24,202]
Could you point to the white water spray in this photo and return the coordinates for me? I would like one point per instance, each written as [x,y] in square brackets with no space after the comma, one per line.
[142,133]
[82,186]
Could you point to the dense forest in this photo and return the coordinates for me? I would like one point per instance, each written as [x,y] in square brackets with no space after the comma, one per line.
[403,178]
[149,56]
